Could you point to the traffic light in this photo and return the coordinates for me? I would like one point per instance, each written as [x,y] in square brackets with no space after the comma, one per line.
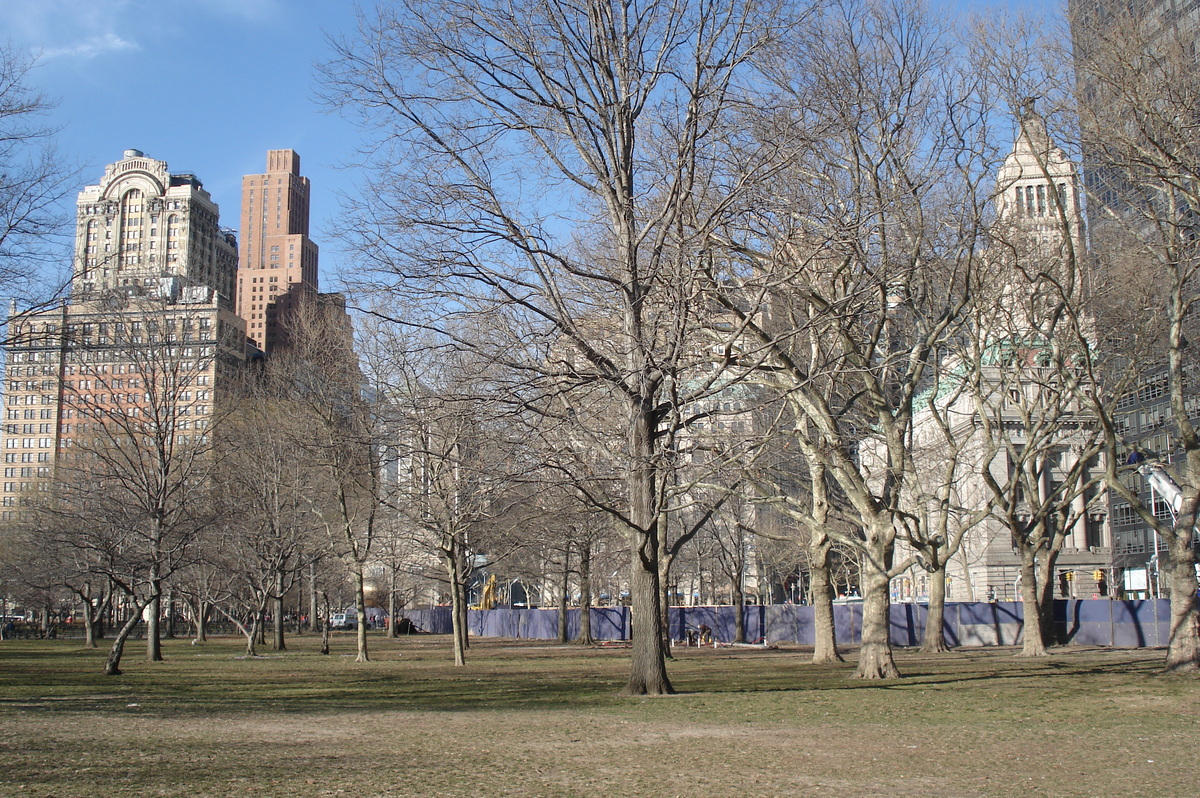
[1098,575]
[1070,576]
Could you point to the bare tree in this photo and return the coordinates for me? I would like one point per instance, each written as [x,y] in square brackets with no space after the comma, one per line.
[536,162]
[265,541]
[32,184]
[456,464]
[865,246]
[337,429]
[138,415]
[1141,89]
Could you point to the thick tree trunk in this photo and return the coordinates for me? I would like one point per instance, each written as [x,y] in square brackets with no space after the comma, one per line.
[1045,597]
[112,665]
[251,635]
[360,603]
[934,640]
[825,648]
[875,654]
[1033,642]
[585,595]
[648,665]
[648,668]
[1183,646]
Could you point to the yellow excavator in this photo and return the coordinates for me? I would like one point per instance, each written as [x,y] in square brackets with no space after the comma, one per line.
[487,600]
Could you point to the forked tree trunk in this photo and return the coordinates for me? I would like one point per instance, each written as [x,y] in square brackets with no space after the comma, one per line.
[934,639]
[200,620]
[1183,646]
[875,654]
[251,635]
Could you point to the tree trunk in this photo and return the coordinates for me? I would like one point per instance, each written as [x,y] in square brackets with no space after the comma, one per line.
[112,665]
[1045,597]
[934,640]
[1033,642]
[825,648]
[739,610]
[585,595]
[153,641]
[1183,646]
[314,611]
[664,585]
[360,603]
[648,668]
[391,608]
[278,642]
[875,654]
[324,627]
[252,635]
[200,621]
[169,632]
[564,632]
[89,626]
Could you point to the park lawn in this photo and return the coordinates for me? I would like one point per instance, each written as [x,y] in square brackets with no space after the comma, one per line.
[533,719]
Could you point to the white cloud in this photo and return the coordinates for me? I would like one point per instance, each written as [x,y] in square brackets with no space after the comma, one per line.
[91,47]
[66,28]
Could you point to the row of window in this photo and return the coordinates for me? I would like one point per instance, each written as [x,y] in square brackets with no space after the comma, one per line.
[27,457]
[1032,200]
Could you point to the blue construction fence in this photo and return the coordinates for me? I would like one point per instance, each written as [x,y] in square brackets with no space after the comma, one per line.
[1123,624]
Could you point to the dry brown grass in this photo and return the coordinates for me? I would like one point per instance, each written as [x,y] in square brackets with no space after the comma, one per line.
[532,719]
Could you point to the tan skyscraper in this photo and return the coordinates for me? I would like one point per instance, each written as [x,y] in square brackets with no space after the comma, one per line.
[278,261]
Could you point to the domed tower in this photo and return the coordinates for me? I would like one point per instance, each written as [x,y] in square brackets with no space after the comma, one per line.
[144,231]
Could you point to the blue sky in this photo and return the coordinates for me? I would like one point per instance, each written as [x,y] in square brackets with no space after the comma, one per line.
[208,86]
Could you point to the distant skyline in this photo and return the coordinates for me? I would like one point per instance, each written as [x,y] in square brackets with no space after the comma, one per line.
[208,86]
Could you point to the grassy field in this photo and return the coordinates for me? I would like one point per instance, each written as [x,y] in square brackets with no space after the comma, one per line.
[531,719]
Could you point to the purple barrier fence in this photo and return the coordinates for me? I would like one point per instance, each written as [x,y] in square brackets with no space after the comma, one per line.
[1096,622]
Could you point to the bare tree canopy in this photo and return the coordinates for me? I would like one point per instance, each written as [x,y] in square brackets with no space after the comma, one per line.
[32,185]
[542,167]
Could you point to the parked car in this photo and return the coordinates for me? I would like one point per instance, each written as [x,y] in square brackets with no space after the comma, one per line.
[343,620]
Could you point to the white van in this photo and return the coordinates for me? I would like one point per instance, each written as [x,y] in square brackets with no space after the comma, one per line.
[343,620]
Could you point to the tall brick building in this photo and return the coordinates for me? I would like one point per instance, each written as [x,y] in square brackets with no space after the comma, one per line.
[278,260]
[147,336]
